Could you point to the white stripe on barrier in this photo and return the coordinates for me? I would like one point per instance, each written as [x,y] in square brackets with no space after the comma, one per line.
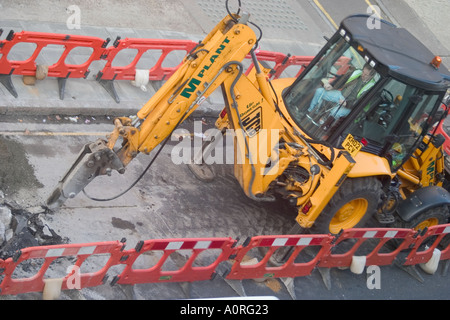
[391,234]
[87,250]
[174,245]
[55,252]
[304,241]
[279,242]
[369,234]
[202,244]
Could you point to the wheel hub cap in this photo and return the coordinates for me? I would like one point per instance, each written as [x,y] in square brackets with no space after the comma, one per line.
[348,215]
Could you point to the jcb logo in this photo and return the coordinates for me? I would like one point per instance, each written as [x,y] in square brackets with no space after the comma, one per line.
[252,122]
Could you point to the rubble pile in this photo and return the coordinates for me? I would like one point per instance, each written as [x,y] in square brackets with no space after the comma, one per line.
[24,227]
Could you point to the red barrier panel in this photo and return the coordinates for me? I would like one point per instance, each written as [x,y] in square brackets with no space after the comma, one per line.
[60,69]
[445,242]
[110,73]
[197,259]
[356,239]
[11,285]
[425,245]
[290,268]
[302,61]
[281,62]
[186,270]
[157,72]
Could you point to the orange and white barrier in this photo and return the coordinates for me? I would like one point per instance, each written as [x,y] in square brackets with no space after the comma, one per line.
[108,54]
[187,272]
[43,257]
[427,243]
[263,269]
[60,69]
[420,247]
[355,238]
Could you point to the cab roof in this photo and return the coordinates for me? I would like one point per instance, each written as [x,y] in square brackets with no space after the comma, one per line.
[396,52]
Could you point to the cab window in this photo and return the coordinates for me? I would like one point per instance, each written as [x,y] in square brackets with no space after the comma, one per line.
[396,115]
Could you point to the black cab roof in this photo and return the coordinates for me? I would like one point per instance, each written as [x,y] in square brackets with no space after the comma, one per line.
[396,52]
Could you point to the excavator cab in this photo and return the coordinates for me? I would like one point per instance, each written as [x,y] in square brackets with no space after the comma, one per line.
[379,85]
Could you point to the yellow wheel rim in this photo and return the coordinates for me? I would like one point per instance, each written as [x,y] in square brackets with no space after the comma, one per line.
[349,215]
[427,223]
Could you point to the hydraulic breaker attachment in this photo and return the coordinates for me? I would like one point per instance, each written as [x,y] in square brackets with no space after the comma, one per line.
[94,159]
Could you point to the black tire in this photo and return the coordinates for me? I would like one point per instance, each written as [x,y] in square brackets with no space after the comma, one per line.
[434,216]
[363,193]
[430,217]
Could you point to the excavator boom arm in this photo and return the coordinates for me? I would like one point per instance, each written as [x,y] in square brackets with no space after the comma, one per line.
[214,62]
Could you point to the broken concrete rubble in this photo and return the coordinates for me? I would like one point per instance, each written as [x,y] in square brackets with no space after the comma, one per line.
[24,227]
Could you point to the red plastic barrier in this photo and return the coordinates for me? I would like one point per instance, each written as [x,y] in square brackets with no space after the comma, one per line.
[302,61]
[12,286]
[128,72]
[263,270]
[445,242]
[425,245]
[110,73]
[308,252]
[186,272]
[280,62]
[41,39]
[358,236]
[60,69]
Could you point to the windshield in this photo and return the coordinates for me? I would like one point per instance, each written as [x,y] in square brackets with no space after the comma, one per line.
[325,96]
[396,115]
[332,98]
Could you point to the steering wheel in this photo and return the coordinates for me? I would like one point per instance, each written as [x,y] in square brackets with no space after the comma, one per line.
[387,96]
